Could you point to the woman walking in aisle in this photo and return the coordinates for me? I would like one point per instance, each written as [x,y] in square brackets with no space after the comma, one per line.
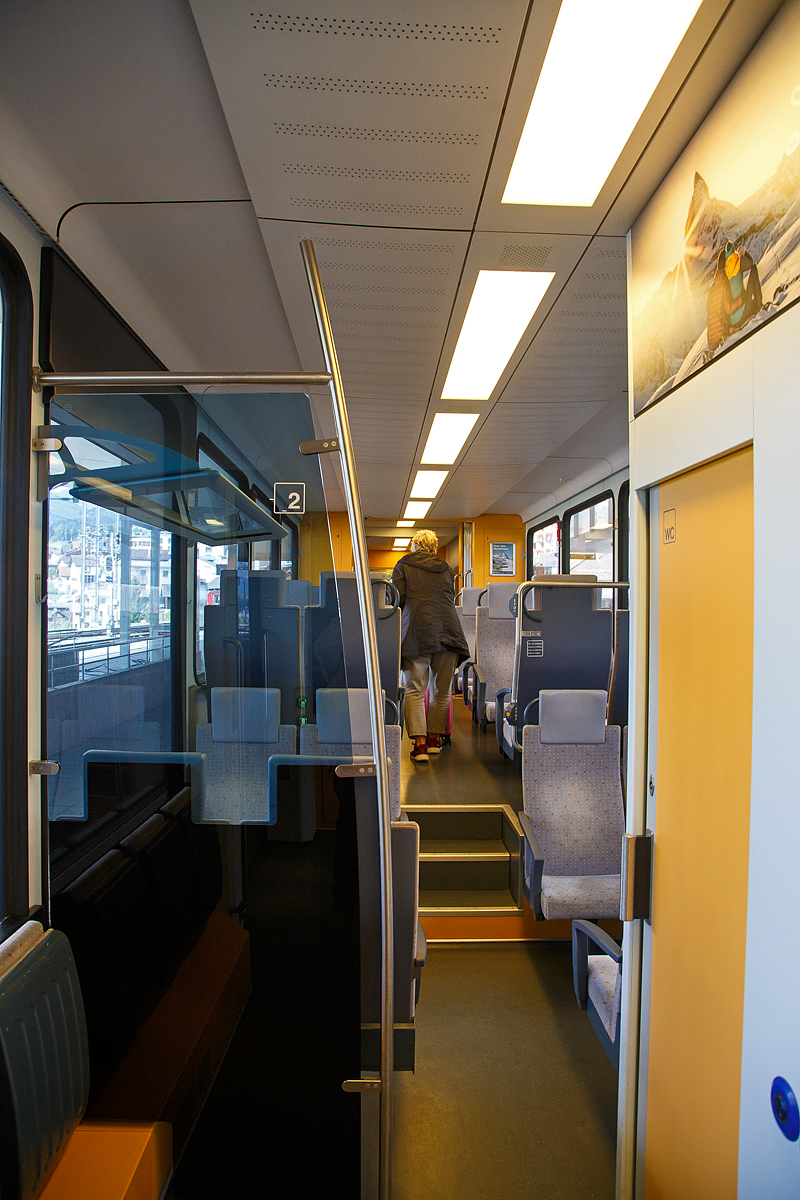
[433,642]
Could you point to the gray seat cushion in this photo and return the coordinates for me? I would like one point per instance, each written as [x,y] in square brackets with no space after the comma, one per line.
[571,896]
[605,989]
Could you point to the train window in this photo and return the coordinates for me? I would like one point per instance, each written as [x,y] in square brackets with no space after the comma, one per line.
[209,561]
[544,546]
[589,531]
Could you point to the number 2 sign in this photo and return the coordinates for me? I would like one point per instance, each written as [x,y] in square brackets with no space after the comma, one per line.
[290,498]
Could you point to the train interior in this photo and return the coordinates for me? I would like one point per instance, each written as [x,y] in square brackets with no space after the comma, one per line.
[289,297]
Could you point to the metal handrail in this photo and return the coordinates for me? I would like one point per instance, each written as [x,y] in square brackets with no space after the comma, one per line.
[43,379]
[541,581]
[368,628]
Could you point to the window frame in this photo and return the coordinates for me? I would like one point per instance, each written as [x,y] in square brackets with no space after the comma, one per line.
[15,471]
[534,529]
[608,494]
[623,530]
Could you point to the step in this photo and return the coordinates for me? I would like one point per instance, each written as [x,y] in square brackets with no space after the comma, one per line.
[476,902]
[462,822]
[457,864]
[456,849]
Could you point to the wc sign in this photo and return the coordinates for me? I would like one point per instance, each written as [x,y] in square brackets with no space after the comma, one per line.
[668,527]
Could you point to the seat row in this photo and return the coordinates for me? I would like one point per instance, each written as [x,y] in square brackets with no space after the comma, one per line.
[561,638]
[573,825]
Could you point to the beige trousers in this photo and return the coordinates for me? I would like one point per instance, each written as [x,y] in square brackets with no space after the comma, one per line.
[435,675]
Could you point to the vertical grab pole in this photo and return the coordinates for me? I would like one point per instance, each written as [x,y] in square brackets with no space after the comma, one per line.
[363,585]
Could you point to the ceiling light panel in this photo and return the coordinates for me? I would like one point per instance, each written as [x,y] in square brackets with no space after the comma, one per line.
[501,307]
[448,434]
[568,146]
[486,251]
[363,115]
[401,524]
[427,484]
[417,510]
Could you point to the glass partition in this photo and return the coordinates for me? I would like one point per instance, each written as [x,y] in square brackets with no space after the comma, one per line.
[281,660]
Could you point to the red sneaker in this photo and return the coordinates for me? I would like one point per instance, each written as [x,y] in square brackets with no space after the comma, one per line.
[419,752]
[434,743]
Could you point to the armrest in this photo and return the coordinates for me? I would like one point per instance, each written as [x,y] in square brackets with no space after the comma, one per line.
[420,958]
[479,695]
[537,868]
[499,713]
[465,669]
[584,932]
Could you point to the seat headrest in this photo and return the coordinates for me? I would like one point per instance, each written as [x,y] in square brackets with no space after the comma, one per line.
[572,718]
[245,714]
[343,715]
[297,593]
[498,597]
[469,600]
[564,578]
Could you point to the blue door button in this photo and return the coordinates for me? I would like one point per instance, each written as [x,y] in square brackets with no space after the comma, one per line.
[785,1108]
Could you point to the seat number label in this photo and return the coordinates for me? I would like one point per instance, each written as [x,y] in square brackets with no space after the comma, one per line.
[290,498]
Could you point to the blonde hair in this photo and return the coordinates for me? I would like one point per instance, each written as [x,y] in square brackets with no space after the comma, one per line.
[425,539]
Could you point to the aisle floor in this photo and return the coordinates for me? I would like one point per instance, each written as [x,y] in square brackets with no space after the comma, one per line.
[513,1094]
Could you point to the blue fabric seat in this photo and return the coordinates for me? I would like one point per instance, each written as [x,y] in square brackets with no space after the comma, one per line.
[572,799]
[493,664]
[244,732]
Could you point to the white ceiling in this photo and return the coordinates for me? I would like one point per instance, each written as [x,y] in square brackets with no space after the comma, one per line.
[180,151]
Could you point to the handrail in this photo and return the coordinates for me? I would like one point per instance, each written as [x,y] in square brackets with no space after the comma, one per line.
[42,379]
[541,581]
[368,628]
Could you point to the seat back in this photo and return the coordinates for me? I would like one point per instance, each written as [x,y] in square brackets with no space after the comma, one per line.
[245,730]
[333,643]
[298,593]
[468,602]
[344,730]
[566,642]
[252,639]
[494,637]
[405,886]
[571,784]
[618,684]
[44,1057]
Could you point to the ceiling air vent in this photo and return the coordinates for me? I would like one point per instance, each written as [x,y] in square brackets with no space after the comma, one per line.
[401,247]
[378,87]
[374,173]
[406,291]
[413,210]
[434,138]
[413,31]
[384,267]
[523,258]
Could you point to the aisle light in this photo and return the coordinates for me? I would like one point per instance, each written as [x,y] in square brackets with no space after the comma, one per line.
[602,66]
[448,433]
[427,484]
[500,310]
[401,543]
[417,509]
[405,523]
